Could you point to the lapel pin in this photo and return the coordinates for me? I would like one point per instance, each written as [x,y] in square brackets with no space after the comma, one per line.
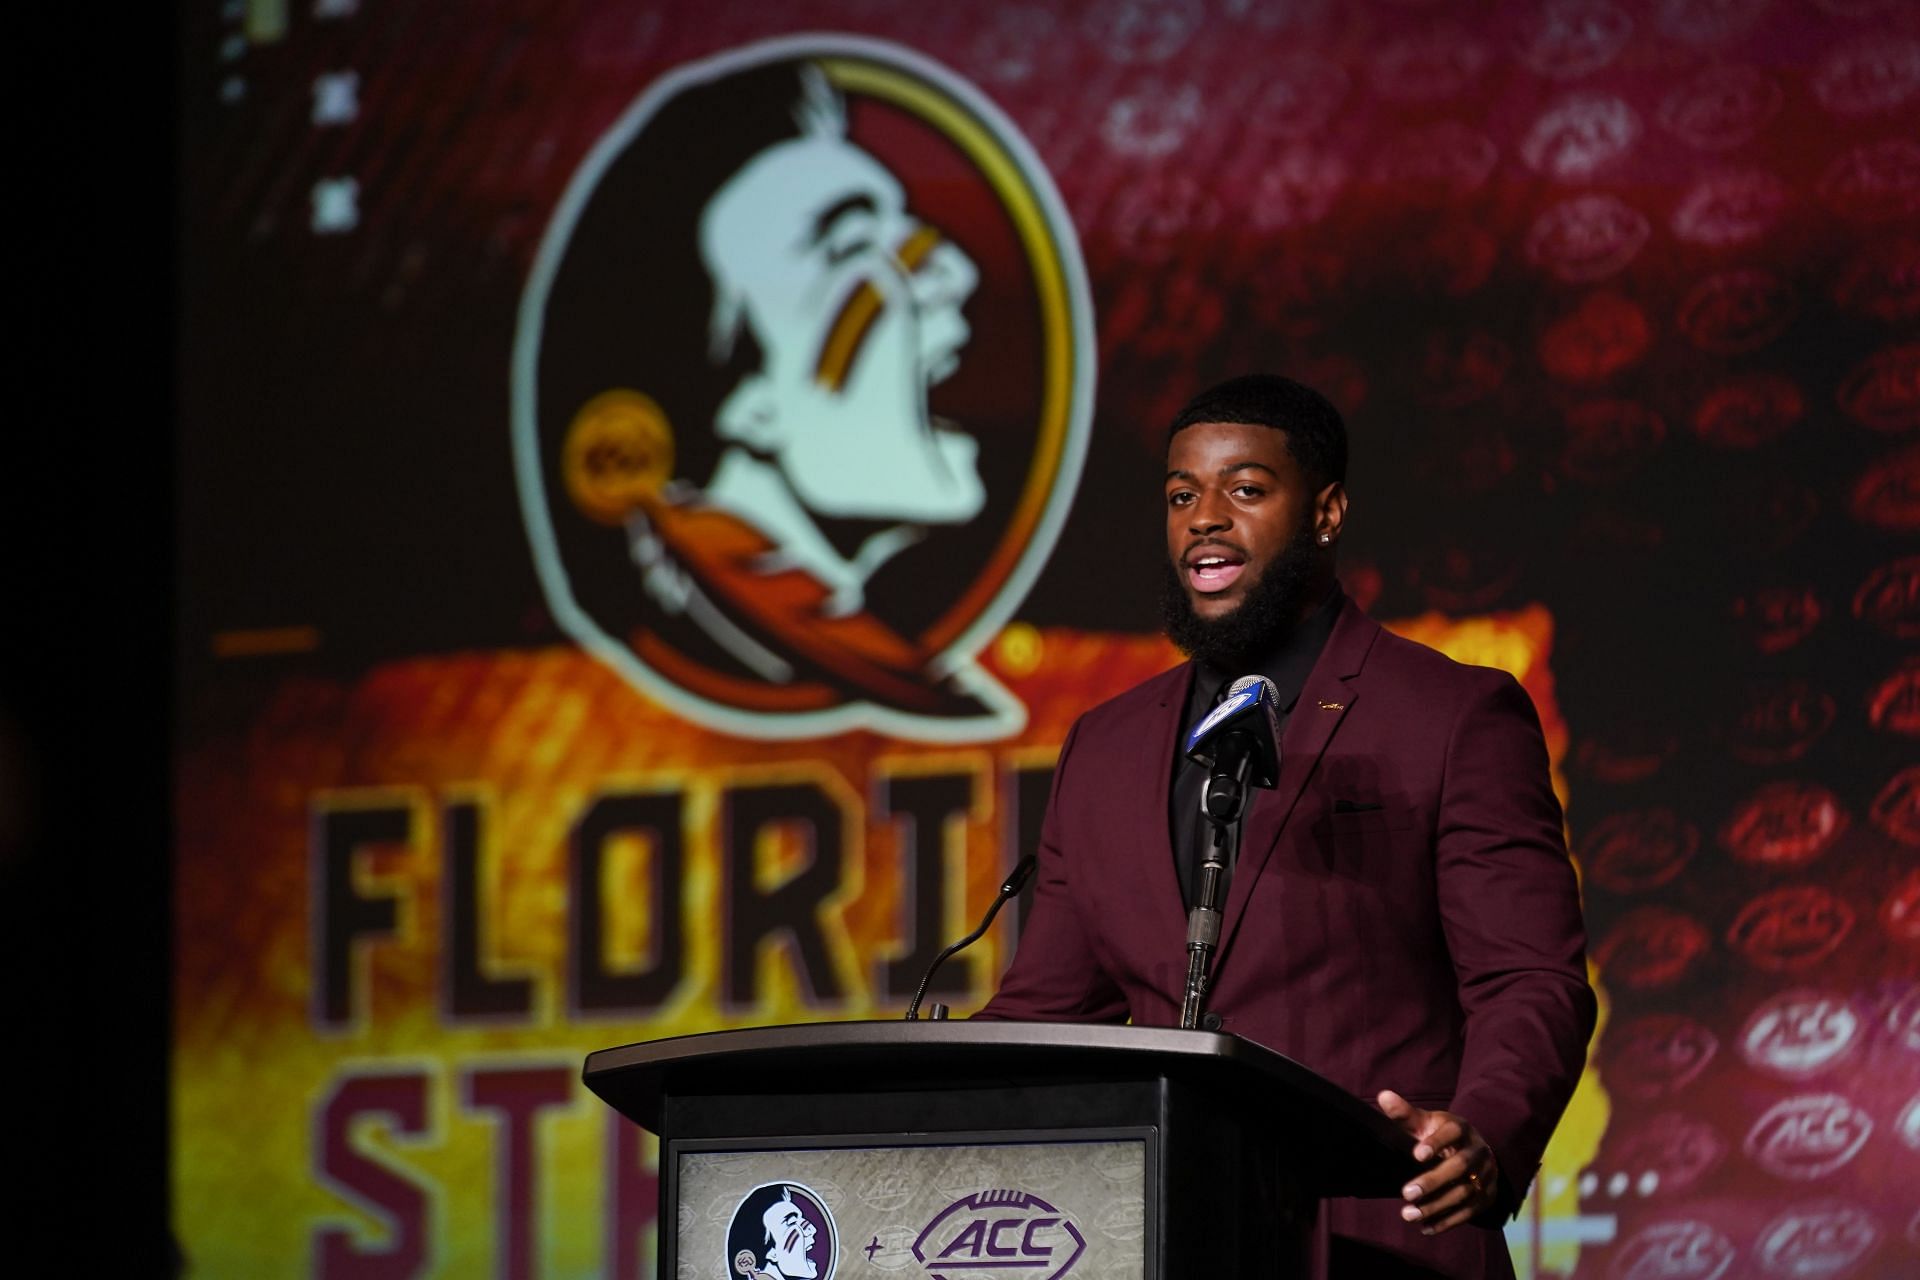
[1333,706]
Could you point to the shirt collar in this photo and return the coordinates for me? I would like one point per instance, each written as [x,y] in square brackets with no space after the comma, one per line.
[1287,663]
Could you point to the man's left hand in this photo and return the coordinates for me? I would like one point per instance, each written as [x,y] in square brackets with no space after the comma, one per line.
[1463,1179]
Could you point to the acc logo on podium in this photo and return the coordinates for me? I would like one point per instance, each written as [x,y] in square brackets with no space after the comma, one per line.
[801,391]
[1014,1233]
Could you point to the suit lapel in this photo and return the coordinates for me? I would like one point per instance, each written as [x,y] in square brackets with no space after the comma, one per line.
[1152,774]
[1325,699]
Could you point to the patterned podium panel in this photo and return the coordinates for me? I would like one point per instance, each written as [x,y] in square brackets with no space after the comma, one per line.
[941,1209]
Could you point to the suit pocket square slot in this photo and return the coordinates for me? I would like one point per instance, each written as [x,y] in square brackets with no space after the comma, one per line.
[1357,806]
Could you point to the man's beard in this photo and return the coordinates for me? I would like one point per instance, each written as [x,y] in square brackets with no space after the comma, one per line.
[1238,639]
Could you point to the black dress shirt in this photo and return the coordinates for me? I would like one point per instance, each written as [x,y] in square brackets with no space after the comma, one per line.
[1287,664]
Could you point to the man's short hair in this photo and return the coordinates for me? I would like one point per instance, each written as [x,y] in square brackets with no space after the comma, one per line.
[1316,435]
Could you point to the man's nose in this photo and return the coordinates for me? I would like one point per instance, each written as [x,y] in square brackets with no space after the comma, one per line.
[1208,515]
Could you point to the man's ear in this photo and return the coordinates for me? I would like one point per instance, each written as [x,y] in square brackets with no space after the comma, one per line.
[750,416]
[1330,512]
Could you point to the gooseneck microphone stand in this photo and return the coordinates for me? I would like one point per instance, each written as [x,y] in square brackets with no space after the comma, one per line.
[1223,802]
[1016,880]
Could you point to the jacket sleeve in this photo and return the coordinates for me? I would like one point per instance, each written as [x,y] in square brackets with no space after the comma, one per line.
[1055,975]
[1510,908]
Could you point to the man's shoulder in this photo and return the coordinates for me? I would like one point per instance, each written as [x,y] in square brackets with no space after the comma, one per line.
[1396,659]
[1125,710]
[1401,655]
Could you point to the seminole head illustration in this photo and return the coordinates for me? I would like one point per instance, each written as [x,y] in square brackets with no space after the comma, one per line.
[800,393]
[781,1231]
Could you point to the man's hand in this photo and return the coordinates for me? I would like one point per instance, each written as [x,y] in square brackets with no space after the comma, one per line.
[1463,1178]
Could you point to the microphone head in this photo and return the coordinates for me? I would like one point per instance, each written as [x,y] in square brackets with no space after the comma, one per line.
[1267,687]
[1252,707]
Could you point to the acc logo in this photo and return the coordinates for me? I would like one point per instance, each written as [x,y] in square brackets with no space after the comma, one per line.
[1785,824]
[1887,495]
[1815,1241]
[1014,1233]
[1781,722]
[1894,706]
[1874,182]
[1572,38]
[780,1231]
[1652,947]
[1880,281]
[1890,597]
[1722,107]
[1643,849]
[1800,1033]
[1748,411]
[1586,238]
[1608,439]
[1791,928]
[1580,136]
[1808,1137]
[1658,1054]
[883,1189]
[1869,75]
[1732,208]
[1883,391]
[769,471]
[1900,911]
[1736,311]
[1679,1150]
[1903,1020]
[1687,1250]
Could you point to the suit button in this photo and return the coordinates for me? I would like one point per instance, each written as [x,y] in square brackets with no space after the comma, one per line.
[1209,1022]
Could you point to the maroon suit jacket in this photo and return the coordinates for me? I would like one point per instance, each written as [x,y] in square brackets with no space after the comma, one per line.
[1424,936]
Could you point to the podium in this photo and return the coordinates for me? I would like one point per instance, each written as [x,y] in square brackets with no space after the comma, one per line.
[977,1150]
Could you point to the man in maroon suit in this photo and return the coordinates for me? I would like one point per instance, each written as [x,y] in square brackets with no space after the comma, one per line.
[1403,917]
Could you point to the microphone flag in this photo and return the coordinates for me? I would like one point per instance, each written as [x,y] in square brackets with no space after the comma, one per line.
[1249,711]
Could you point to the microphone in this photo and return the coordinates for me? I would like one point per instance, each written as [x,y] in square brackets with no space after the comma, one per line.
[1239,741]
[1016,881]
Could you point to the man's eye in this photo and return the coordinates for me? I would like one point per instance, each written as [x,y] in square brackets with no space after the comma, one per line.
[1180,499]
[1249,490]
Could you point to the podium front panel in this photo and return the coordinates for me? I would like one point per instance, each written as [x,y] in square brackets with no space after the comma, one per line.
[1009,1203]
[1237,1145]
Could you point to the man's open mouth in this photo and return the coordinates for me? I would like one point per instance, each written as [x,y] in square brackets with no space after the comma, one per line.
[1211,569]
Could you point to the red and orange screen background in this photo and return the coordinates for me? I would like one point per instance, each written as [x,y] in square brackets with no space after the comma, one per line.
[1621,300]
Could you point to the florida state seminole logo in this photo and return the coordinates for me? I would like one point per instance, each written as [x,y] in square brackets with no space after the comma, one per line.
[782,1231]
[801,392]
